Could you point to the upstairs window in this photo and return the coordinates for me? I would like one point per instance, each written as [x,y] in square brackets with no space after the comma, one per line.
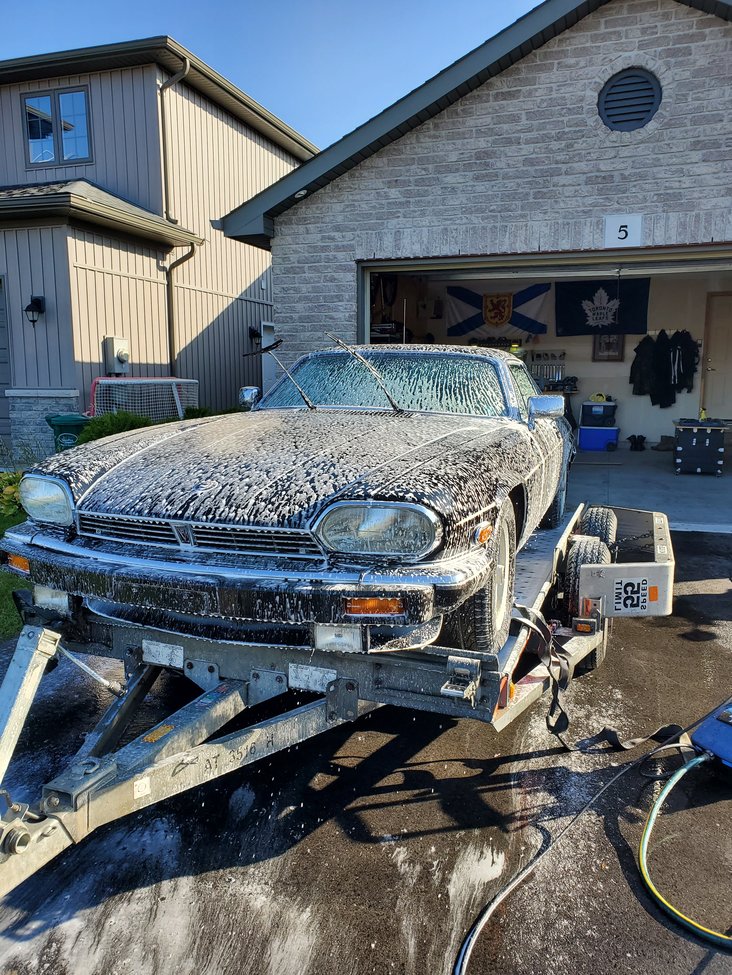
[57,127]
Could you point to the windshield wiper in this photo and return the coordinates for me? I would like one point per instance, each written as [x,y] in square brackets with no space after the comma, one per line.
[268,350]
[377,376]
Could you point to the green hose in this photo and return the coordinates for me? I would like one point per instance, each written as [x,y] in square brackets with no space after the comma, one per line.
[715,937]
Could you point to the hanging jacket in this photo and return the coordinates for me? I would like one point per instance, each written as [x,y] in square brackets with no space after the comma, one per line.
[684,359]
[641,370]
[663,391]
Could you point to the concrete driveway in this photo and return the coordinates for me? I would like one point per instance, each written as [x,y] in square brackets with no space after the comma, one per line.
[371,849]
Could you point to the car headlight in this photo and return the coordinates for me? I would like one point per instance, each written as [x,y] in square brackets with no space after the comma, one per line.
[403,530]
[46,500]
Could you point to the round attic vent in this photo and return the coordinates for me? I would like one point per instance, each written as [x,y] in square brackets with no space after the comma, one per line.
[629,99]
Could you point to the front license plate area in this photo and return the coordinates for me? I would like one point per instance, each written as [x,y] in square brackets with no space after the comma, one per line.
[307,678]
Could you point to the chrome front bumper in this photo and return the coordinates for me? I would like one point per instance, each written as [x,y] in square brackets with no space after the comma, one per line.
[295,594]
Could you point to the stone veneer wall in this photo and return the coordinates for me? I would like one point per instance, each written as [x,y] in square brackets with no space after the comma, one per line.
[29,432]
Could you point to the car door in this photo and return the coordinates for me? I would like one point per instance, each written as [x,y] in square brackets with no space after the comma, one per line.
[548,439]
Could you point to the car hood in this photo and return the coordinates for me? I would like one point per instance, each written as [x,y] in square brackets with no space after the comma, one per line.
[269,467]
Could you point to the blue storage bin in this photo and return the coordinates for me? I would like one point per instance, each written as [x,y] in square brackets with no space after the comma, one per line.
[598,438]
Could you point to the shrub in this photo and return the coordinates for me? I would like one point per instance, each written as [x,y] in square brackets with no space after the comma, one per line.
[110,423]
[9,492]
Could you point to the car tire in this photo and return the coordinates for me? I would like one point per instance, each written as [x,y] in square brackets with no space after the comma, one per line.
[585,551]
[483,621]
[600,522]
[555,512]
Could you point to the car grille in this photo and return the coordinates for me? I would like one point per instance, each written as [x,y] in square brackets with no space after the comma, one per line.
[286,543]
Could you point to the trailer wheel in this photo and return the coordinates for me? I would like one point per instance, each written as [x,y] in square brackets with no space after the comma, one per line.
[482,623]
[595,658]
[600,522]
[585,551]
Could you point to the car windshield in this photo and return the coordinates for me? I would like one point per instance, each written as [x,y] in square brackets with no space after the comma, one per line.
[423,382]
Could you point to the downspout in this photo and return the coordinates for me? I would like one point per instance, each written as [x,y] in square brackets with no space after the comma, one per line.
[178,76]
[170,308]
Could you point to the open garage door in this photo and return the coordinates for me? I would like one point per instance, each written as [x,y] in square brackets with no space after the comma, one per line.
[576,321]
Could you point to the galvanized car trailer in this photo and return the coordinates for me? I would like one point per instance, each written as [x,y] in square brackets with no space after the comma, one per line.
[104,783]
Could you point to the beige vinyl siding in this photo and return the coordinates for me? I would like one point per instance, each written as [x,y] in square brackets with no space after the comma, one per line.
[124,130]
[216,161]
[118,289]
[33,262]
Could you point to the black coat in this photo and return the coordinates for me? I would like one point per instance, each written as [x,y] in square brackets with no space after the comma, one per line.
[663,391]
[641,370]
[684,360]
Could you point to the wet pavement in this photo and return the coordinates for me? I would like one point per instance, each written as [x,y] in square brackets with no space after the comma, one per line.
[371,849]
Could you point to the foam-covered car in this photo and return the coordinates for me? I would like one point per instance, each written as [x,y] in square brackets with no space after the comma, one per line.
[374,499]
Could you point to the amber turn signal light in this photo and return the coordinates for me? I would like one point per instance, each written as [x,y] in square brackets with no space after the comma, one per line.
[373,606]
[18,563]
[483,533]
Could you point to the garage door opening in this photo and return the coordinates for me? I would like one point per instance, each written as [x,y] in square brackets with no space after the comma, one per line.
[521,309]
[579,331]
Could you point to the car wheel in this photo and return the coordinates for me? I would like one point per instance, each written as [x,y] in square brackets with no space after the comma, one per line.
[483,621]
[600,522]
[555,512]
[586,551]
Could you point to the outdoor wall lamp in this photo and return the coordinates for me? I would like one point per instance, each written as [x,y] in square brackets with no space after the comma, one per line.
[254,334]
[35,309]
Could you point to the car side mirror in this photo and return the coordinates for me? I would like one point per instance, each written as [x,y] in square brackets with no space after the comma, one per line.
[249,396]
[545,406]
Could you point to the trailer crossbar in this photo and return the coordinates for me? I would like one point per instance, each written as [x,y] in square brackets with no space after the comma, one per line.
[174,756]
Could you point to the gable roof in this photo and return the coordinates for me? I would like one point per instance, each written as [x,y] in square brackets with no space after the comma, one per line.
[171,55]
[253,221]
[84,202]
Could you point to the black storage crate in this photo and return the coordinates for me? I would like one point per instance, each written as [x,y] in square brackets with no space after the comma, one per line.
[598,414]
[699,447]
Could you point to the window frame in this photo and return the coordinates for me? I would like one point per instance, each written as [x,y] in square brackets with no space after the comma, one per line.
[522,401]
[54,94]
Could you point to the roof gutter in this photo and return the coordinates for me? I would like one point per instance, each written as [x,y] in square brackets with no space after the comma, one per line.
[70,206]
[179,76]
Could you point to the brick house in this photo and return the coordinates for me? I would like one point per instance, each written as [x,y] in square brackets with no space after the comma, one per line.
[589,140]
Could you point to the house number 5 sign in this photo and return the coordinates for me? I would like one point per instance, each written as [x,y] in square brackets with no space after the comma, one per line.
[623,230]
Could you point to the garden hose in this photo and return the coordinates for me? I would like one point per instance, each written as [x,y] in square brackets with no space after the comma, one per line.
[715,937]
[462,960]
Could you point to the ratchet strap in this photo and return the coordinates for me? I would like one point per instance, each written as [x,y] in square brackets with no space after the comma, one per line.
[561,673]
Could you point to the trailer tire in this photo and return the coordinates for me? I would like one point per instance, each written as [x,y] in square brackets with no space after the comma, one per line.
[600,522]
[585,551]
[482,623]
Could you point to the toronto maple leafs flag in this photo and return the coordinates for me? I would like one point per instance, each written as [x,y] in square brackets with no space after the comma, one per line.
[490,309]
[613,307]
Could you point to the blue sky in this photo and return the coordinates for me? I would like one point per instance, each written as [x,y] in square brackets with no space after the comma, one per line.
[324,66]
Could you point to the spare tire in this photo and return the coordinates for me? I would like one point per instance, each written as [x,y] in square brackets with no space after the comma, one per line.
[600,522]
[585,551]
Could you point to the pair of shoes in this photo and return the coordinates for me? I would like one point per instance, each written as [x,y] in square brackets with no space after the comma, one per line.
[637,442]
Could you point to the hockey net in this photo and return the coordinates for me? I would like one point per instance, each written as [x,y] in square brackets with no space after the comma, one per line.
[157,398]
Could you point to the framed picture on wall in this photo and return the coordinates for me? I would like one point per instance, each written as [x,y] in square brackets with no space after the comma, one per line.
[608,348]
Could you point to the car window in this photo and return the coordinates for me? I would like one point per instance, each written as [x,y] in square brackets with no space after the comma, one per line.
[524,386]
[428,383]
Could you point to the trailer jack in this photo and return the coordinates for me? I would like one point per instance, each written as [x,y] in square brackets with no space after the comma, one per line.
[102,785]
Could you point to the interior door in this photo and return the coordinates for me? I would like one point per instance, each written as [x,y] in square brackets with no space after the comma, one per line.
[717,358]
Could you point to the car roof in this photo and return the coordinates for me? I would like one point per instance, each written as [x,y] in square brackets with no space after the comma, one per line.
[472,350]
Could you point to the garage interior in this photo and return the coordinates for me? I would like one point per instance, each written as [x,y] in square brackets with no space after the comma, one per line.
[453,304]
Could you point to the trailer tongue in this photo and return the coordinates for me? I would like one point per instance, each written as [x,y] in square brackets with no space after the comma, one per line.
[567,572]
